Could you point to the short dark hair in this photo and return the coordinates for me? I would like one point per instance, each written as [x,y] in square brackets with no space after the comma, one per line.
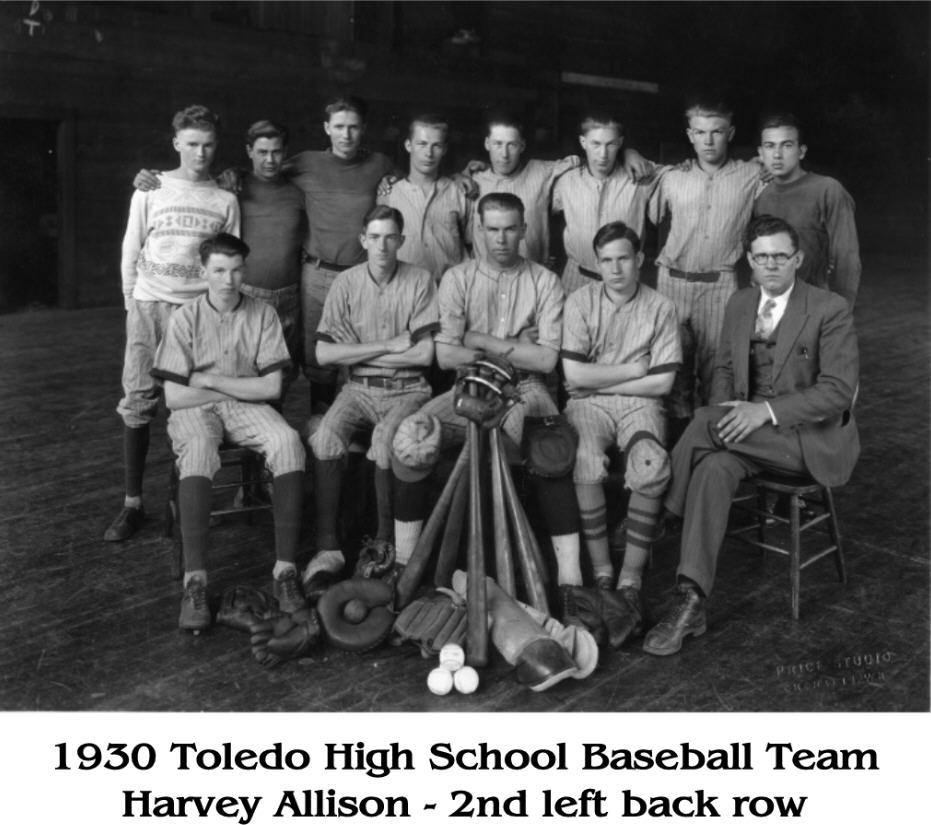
[431,119]
[266,129]
[503,117]
[763,226]
[595,118]
[380,212]
[223,244]
[707,106]
[615,231]
[195,117]
[501,202]
[345,103]
[773,120]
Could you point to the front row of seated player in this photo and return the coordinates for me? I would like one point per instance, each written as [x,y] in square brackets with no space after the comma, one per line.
[784,382]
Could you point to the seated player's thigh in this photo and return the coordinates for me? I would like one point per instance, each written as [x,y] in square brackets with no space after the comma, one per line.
[596,428]
[196,434]
[261,428]
[392,412]
[353,414]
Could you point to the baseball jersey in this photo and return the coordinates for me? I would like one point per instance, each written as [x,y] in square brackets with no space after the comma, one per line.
[337,195]
[244,343]
[160,260]
[709,214]
[435,223]
[598,331]
[472,296]
[359,310]
[822,212]
[532,183]
[273,227]
[589,203]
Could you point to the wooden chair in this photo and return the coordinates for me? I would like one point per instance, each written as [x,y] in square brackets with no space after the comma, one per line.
[811,508]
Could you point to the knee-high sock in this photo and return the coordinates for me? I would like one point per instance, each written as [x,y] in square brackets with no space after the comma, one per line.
[194,497]
[642,513]
[593,511]
[287,496]
[410,511]
[383,503]
[328,480]
[560,512]
[135,450]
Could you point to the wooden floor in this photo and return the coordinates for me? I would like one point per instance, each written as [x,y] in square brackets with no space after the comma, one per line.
[90,625]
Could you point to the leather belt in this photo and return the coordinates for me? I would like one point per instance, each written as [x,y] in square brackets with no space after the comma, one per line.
[322,264]
[588,273]
[693,277]
[383,382]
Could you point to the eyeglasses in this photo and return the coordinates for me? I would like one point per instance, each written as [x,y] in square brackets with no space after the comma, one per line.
[779,258]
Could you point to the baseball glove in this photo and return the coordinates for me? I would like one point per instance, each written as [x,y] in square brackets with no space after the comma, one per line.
[485,390]
[287,637]
[356,613]
[242,606]
[433,621]
[376,559]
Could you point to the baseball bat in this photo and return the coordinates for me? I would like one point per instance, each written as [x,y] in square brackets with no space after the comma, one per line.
[452,535]
[476,601]
[413,572]
[504,559]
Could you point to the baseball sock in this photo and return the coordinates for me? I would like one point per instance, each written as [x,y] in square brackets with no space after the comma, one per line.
[328,480]
[135,450]
[568,569]
[282,567]
[593,510]
[410,510]
[194,574]
[642,513]
[560,512]
[287,496]
[383,504]
[194,498]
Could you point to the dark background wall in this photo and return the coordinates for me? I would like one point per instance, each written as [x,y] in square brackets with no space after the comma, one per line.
[88,89]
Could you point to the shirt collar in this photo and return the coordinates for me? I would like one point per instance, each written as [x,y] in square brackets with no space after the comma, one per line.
[219,312]
[780,301]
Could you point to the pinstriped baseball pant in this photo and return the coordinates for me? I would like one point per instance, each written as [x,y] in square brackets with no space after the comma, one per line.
[197,432]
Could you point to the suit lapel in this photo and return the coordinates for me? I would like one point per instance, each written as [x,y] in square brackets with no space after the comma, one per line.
[793,320]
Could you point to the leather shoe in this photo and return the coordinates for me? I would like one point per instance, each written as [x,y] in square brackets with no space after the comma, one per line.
[604,582]
[125,525]
[582,608]
[287,590]
[195,613]
[623,614]
[687,618]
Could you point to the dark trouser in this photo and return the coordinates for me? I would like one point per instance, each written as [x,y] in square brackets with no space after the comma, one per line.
[705,476]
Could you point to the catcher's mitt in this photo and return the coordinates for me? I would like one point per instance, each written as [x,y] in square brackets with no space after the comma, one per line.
[485,390]
[433,621]
[287,637]
[242,606]
[356,613]
[376,559]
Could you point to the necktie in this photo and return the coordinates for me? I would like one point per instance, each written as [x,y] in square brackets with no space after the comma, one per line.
[764,321]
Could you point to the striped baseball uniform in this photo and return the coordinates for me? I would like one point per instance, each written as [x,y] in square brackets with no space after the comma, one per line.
[435,223]
[588,204]
[244,343]
[359,310]
[533,184]
[598,331]
[472,296]
[696,264]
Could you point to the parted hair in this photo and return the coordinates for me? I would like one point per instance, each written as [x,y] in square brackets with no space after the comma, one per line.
[345,103]
[381,212]
[266,129]
[502,202]
[595,118]
[503,117]
[763,226]
[433,119]
[223,244]
[195,117]
[773,120]
[615,231]
[706,106]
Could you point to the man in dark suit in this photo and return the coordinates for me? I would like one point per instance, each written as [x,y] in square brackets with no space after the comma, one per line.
[784,381]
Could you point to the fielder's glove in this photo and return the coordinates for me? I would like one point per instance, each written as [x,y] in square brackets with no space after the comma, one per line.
[288,637]
[376,559]
[433,621]
[241,607]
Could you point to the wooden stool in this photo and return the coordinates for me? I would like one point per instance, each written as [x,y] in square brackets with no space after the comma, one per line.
[250,468]
[818,510]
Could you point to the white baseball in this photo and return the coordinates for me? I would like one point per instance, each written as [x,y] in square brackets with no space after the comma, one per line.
[466,679]
[452,657]
[440,681]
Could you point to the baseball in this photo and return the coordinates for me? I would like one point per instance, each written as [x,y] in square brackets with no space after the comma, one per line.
[466,679]
[355,611]
[452,657]
[440,681]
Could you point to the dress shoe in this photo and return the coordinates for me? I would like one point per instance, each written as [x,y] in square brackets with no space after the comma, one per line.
[321,573]
[623,614]
[125,525]
[287,590]
[195,614]
[582,608]
[687,618]
[604,582]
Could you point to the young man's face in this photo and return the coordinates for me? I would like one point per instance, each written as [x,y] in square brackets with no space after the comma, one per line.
[504,146]
[224,274]
[345,130]
[710,136]
[781,152]
[601,145]
[619,264]
[427,146]
[381,241]
[504,230]
[196,148]
[774,261]
[267,156]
